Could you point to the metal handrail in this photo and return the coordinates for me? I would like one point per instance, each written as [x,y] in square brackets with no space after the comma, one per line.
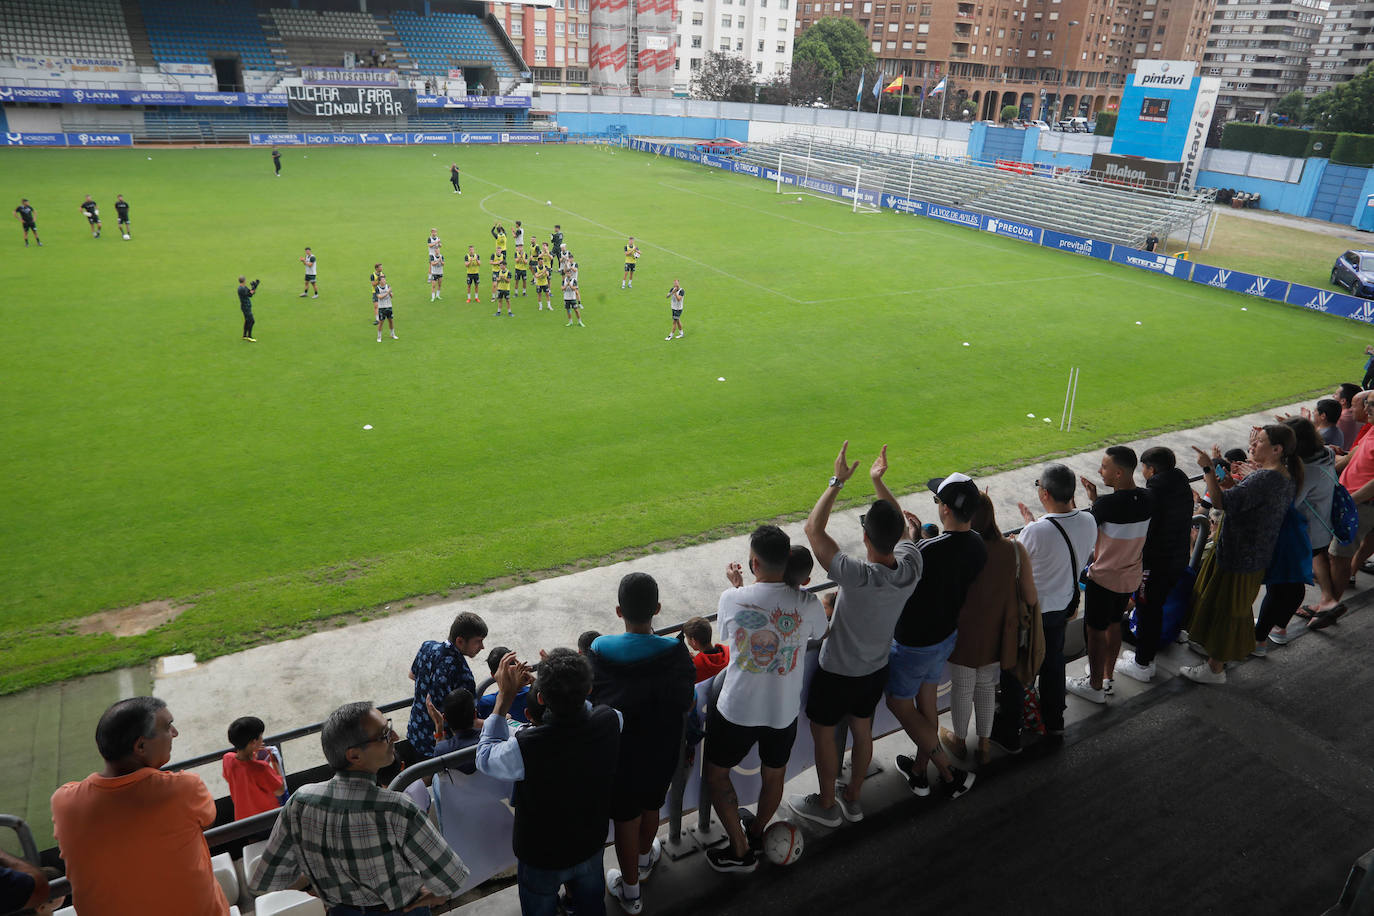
[26,843]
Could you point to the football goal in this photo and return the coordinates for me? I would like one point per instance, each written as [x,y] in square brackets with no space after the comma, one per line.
[825,179]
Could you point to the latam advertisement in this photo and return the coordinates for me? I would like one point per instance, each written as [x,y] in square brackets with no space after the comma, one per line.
[95,139]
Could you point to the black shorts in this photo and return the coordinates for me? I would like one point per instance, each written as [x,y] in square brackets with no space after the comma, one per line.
[519,275]
[727,743]
[493,276]
[677,314]
[1103,607]
[474,278]
[92,219]
[30,227]
[630,267]
[124,221]
[834,696]
[383,314]
[502,294]
[541,289]
[641,785]
[309,278]
[435,277]
[569,304]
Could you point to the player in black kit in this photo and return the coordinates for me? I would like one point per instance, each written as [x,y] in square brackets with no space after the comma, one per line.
[246,305]
[92,216]
[24,213]
[453,178]
[276,161]
[122,211]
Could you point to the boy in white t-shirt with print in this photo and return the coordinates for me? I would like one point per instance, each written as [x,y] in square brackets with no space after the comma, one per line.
[767,624]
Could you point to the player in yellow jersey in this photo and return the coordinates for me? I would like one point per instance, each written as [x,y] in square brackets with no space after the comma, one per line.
[541,284]
[498,232]
[498,264]
[631,258]
[521,263]
[473,262]
[503,290]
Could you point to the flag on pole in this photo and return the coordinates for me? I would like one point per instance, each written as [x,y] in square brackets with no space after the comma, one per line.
[939,87]
[859,96]
[877,87]
[894,86]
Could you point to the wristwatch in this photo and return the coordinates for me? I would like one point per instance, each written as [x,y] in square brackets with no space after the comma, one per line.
[836,482]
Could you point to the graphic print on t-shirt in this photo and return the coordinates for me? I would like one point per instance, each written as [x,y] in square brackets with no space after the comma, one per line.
[768,642]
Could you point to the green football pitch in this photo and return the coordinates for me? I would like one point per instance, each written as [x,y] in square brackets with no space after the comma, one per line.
[154,456]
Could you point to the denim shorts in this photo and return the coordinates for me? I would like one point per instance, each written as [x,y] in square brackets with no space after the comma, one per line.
[911,666]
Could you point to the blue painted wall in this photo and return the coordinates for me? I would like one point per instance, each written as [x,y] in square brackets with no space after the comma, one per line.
[988,144]
[656,125]
[1274,195]
[1063,160]
[1153,139]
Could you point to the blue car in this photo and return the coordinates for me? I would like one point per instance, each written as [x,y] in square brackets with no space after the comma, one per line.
[1355,271]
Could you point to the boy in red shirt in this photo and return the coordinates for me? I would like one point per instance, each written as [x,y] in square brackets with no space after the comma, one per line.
[255,781]
[708,658]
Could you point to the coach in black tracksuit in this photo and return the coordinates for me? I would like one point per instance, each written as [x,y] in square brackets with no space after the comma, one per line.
[246,305]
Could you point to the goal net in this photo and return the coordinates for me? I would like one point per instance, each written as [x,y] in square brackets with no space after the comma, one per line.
[807,176]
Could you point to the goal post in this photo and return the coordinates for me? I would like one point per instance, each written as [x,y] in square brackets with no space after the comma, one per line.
[824,179]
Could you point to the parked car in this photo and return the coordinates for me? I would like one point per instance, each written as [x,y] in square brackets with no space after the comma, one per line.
[1355,271]
[1074,125]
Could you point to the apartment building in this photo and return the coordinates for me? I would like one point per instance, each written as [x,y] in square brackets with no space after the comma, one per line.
[1260,50]
[1034,54]
[761,31]
[554,38]
[1345,45]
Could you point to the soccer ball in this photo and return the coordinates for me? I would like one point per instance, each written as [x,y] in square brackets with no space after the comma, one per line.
[782,843]
[548,203]
[126,236]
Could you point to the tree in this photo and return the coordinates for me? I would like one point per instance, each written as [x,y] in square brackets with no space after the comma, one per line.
[1009,113]
[1292,106]
[724,77]
[1348,107]
[838,46]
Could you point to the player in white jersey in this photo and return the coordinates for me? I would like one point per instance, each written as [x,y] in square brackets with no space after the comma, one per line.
[570,303]
[519,234]
[436,276]
[308,260]
[384,310]
[676,295]
[434,243]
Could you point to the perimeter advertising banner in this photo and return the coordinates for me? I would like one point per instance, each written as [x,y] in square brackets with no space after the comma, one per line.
[1330,302]
[34,139]
[1237,282]
[1064,241]
[348,76]
[349,102]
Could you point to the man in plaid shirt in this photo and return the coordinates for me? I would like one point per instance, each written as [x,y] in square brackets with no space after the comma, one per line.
[363,848]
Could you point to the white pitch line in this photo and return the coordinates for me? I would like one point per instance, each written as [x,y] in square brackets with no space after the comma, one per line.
[666,250]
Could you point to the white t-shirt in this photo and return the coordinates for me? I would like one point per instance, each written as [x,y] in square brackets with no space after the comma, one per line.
[436,266]
[1055,576]
[768,625]
[384,296]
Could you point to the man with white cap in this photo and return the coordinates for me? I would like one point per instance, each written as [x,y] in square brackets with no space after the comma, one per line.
[926,631]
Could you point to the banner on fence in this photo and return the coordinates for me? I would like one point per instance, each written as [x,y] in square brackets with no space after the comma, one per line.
[904,204]
[1148,260]
[346,76]
[349,102]
[1330,302]
[1238,282]
[955,215]
[93,139]
[69,64]
[1012,229]
[187,69]
[1064,241]
[424,100]
[28,139]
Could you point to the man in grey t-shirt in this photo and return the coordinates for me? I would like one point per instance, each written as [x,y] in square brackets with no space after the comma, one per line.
[853,670]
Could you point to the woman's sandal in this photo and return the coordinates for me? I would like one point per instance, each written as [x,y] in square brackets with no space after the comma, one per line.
[1324,619]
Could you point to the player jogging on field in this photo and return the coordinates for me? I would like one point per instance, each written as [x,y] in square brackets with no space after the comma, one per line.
[377,278]
[570,304]
[92,212]
[24,213]
[308,260]
[384,310]
[631,257]
[522,267]
[436,277]
[541,285]
[473,263]
[453,177]
[122,214]
[675,297]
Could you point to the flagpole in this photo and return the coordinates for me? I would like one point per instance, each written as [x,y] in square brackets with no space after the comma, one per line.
[921,107]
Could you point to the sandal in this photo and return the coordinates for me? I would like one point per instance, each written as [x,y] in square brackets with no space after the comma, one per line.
[1307,612]
[1324,619]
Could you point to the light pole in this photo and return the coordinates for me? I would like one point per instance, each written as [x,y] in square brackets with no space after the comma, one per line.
[1063,72]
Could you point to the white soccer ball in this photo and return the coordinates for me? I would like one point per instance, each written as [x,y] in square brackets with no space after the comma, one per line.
[548,203]
[126,237]
[782,843]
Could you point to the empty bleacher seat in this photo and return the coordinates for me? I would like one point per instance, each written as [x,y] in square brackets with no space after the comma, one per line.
[440,41]
[223,866]
[288,903]
[181,32]
[68,28]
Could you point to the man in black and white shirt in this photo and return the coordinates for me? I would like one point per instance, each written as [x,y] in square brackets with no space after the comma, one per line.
[308,259]
[384,310]
[92,212]
[122,212]
[24,213]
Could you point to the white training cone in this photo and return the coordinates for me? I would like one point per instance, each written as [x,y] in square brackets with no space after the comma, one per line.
[367,426]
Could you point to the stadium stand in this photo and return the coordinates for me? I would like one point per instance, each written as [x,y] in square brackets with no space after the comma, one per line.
[75,28]
[440,41]
[198,32]
[325,36]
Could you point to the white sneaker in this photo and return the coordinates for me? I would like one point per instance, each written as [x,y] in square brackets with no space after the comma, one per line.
[655,853]
[394,337]
[1081,686]
[1296,627]
[849,809]
[615,884]
[1128,666]
[1203,674]
[315,296]
[679,333]
[669,337]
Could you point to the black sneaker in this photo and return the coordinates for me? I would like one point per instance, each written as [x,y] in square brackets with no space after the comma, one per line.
[746,820]
[918,783]
[725,860]
[962,781]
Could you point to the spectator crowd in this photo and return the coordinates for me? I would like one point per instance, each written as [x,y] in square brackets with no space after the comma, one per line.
[1294,508]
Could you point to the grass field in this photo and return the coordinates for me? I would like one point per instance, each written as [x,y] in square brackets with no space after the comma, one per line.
[152,455]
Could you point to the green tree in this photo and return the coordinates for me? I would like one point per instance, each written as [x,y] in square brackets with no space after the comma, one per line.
[1293,105]
[838,46]
[1348,107]
[1009,113]
[724,78]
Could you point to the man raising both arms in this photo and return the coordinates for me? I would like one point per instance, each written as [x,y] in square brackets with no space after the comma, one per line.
[246,292]
[472,261]
[92,216]
[24,213]
[453,179]
[308,260]
[631,256]
[122,211]
[675,297]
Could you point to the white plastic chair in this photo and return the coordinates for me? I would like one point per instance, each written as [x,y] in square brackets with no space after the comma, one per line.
[289,903]
[66,911]
[252,852]
[223,867]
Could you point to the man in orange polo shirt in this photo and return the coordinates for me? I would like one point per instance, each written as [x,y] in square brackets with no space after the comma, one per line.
[132,835]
